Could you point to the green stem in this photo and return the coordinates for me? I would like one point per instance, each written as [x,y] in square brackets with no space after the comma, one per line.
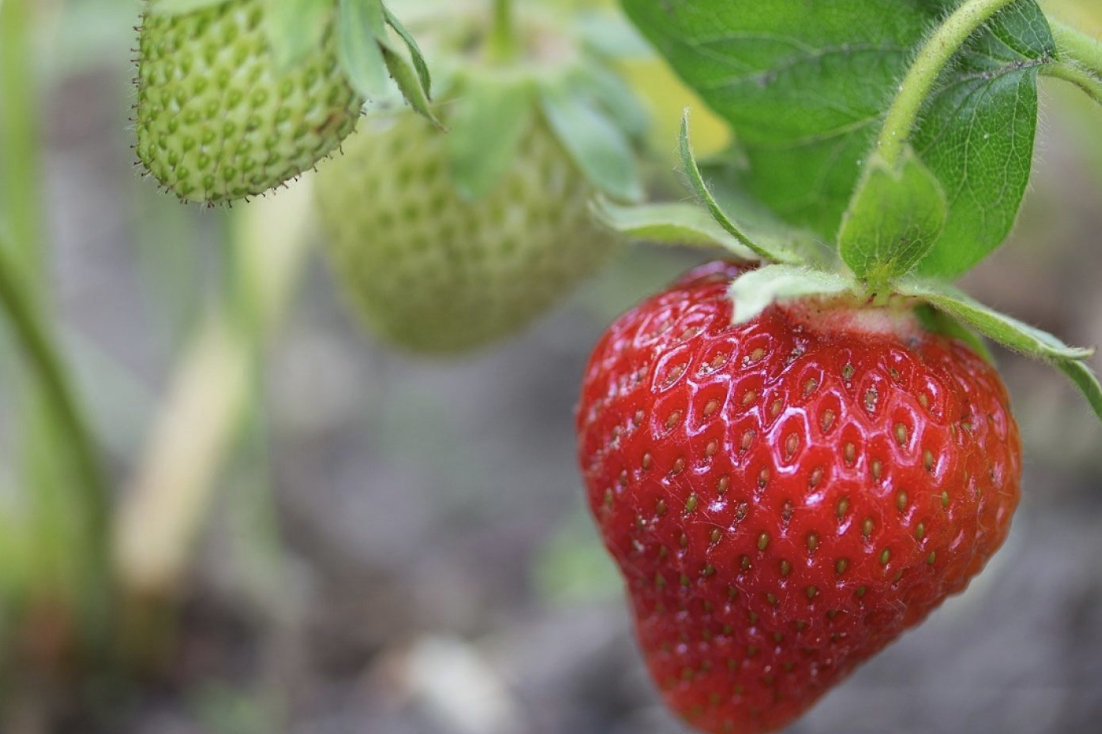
[39,349]
[19,174]
[920,80]
[50,416]
[1077,75]
[1073,44]
[503,43]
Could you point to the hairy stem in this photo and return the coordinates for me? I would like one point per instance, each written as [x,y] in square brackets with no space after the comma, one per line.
[920,80]
[1077,75]
[1074,45]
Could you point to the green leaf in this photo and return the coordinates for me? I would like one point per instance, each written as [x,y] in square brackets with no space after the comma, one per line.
[1006,330]
[360,24]
[596,144]
[756,290]
[295,28]
[940,322]
[896,216]
[759,222]
[414,51]
[696,180]
[611,37]
[409,81]
[670,223]
[615,97]
[490,116]
[1085,380]
[977,136]
[1011,333]
[805,86]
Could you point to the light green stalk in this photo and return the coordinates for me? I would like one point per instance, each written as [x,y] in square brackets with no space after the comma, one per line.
[920,80]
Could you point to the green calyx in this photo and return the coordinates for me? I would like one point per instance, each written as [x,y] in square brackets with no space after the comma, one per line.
[503,69]
[788,274]
[373,45]
[871,198]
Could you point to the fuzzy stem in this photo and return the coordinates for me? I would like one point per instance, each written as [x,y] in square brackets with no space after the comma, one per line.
[1077,75]
[1072,44]
[503,44]
[920,80]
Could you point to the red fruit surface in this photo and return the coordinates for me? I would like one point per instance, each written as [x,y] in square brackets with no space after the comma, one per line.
[786,496]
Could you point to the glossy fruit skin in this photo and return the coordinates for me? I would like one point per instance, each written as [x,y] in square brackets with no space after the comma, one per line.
[217,120]
[785,499]
[434,273]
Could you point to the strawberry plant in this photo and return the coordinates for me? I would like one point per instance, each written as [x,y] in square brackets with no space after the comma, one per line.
[795,460]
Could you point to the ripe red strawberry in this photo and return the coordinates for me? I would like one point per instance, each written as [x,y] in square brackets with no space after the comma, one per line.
[785,497]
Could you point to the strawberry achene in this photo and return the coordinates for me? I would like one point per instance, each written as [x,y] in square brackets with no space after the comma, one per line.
[786,496]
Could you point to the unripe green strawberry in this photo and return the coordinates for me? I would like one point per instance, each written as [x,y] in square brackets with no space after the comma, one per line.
[430,270]
[218,120]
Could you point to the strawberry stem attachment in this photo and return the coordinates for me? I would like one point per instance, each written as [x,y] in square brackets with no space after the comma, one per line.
[920,80]
[503,42]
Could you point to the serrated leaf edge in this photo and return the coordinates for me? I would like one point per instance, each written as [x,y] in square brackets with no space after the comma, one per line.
[408,78]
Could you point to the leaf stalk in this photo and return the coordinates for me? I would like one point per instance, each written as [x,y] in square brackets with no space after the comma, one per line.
[1074,45]
[1073,73]
[923,75]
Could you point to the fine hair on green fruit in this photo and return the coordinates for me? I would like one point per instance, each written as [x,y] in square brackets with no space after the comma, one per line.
[217,120]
